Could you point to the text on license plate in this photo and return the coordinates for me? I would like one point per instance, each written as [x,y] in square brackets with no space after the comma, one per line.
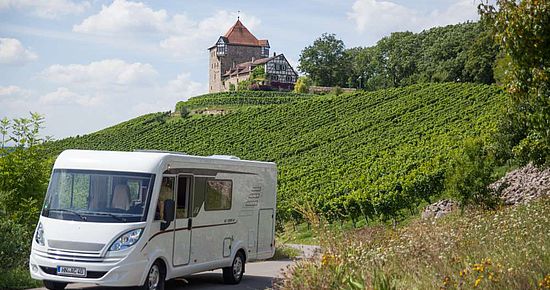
[71,271]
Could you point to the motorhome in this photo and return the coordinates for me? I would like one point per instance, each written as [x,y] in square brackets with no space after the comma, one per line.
[137,219]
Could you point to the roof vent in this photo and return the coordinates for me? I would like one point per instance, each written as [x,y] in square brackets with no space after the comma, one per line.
[230,157]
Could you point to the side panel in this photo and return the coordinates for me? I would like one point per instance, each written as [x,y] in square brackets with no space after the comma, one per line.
[265,231]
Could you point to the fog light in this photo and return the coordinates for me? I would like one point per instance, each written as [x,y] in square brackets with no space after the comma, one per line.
[34,268]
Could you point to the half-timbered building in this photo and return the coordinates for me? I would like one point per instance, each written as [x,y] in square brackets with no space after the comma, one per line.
[237,53]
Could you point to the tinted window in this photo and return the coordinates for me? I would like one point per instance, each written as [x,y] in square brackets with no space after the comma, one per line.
[184,185]
[218,194]
[198,194]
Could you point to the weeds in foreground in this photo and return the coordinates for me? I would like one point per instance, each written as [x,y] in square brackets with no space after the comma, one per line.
[504,249]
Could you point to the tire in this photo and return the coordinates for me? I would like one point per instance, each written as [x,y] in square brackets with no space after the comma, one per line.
[234,273]
[54,285]
[155,278]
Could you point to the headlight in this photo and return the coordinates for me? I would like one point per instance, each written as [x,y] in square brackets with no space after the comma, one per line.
[39,236]
[126,240]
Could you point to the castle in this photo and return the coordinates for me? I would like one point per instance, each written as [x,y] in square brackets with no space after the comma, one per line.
[238,53]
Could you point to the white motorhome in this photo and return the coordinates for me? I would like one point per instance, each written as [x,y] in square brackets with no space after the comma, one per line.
[140,218]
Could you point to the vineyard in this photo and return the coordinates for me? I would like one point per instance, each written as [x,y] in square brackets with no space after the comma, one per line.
[248,98]
[359,155]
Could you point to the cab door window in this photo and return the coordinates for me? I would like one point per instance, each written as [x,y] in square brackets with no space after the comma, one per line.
[166,192]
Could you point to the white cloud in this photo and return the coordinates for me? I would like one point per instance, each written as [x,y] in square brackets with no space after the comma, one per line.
[49,9]
[10,91]
[64,96]
[179,34]
[182,88]
[13,52]
[379,18]
[101,73]
[123,17]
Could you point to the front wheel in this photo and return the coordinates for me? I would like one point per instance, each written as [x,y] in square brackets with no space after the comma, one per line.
[234,274]
[155,278]
[54,285]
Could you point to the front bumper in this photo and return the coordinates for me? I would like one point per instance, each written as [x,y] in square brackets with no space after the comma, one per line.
[122,274]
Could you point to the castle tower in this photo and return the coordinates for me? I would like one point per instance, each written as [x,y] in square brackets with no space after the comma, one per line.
[237,46]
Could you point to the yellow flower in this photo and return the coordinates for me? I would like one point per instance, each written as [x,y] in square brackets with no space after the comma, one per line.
[478,280]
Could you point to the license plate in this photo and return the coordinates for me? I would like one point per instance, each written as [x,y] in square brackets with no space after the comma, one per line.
[71,271]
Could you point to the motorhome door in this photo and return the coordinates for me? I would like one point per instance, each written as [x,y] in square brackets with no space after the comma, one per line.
[182,233]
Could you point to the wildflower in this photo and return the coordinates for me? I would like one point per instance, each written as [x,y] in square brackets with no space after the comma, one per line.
[478,280]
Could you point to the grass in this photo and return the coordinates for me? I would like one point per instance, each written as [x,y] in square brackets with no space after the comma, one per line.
[504,249]
[283,252]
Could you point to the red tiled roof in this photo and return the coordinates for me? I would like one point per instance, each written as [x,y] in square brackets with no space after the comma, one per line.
[239,34]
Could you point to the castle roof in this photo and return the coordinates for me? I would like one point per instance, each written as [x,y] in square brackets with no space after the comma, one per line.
[240,35]
[246,67]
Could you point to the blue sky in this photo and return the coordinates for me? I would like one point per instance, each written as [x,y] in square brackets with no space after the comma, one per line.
[86,65]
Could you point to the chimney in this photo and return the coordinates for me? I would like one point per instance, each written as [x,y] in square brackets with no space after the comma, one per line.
[253,59]
[274,54]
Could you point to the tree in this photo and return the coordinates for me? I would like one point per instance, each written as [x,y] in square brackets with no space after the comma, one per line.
[302,85]
[24,170]
[522,29]
[325,62]
[4,129]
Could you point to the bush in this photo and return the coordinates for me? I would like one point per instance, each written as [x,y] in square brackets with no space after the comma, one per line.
[15,244]
[470,174]
[336,91]
[302,85]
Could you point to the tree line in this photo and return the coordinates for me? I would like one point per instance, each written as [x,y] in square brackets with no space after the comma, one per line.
[454,53]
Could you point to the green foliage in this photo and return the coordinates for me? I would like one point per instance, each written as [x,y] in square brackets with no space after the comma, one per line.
[522,29]
[244,85]
[471,171]
[242,98]
[325,61]
[454,53]
[337,90]
[302,85]
[258,74]
[232,87]
[24,173]
[364,155]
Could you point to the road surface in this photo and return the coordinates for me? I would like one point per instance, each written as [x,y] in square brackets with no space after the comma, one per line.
[258,275]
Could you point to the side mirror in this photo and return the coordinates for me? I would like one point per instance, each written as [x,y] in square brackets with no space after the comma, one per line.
[169,213]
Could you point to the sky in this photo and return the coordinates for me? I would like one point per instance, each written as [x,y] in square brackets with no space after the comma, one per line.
[89,64]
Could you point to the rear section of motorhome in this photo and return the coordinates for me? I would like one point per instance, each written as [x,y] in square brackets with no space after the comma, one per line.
[139,218]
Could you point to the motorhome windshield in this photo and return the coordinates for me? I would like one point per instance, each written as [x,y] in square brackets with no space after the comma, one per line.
[98,196]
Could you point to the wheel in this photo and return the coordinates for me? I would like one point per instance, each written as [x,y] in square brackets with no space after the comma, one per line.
[54,285]
[155,278]
[234,274]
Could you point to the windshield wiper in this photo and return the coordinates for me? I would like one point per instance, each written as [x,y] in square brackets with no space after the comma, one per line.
[107,214]
[68,210]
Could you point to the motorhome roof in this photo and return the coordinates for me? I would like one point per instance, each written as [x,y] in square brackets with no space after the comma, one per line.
[144,161]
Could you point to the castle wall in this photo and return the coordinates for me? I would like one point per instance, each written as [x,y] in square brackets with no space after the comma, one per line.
[220,64]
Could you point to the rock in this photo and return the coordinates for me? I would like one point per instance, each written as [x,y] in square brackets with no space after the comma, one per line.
[522,185]
[439,209]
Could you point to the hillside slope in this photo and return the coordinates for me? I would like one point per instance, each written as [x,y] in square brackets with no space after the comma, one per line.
[353,155]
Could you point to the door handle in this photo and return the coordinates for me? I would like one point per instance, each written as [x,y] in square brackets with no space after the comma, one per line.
[189,224]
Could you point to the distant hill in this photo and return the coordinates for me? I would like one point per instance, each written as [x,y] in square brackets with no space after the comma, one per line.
[355,155]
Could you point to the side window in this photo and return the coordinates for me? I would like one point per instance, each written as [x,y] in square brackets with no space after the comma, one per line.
[184,186]
[166,192]
[198,194]
[135,191]
[218,194]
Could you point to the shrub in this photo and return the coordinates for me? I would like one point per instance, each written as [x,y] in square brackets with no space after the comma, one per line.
[302,85]
[470,174]
[337,90]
